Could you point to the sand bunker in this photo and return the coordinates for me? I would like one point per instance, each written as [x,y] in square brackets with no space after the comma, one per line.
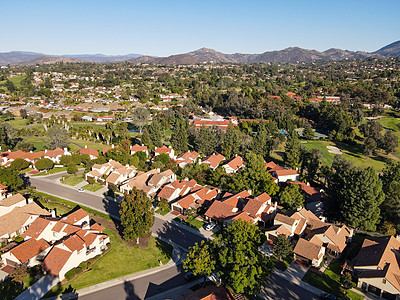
[334,150]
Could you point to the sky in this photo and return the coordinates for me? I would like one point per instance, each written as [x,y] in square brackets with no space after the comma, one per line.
[166,27]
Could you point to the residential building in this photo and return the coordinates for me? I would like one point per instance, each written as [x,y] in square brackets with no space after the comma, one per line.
[165,149]
[213,160]
[187,158]
[233,165]
[93,154]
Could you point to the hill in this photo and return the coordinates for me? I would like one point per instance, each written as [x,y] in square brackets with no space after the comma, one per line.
[392,49]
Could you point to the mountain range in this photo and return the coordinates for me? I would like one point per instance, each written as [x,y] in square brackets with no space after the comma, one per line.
[204,55]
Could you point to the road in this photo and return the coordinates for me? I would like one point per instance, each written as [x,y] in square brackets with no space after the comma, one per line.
[161,228]
[142,288]
[280,288]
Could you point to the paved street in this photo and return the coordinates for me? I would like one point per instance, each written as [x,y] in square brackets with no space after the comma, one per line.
[280,288]
[164,229]
[142,288]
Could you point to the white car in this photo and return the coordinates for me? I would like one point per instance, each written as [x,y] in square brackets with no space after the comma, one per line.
[81,190]
[210,226]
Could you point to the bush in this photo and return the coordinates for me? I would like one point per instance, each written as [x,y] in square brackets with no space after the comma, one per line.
[19,164]
[44,164]
[72,273]
[19,239]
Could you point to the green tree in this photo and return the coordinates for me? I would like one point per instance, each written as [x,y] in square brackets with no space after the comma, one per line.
[291,197]
[137,215]
[292,150]
[282,247]
[179,136]
[155,133]
[72,169]
[390,142]
[140,116]
[391,187]
[19,164]
[355,195]
[345,280]
[23,113]
[201,259]
[91,180]
[239,262]
[231,143]
[11,179]
[44,164]
[66,160]
[308,132]
[58,137]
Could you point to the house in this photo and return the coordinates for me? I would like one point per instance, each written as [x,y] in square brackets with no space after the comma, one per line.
[59,244]
[11,202]
[165,149]
[186,158]
[202,196]
[55,155]
[109,148]
[31,253]
[213,161]
[157,180]
[120,175]
[19,218]
[222,124]
[98,171]
[233,165]
[136,148]
[93,154]
[176,189]
[309,252]
[377,266]
[283,175]
[140,182]
[313,197]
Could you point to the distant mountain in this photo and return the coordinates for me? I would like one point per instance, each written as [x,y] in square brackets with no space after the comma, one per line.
[392,49]
[204,55]
[288,55]
[45,59]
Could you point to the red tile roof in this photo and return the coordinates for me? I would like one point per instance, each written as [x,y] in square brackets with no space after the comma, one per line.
[213,160]
[56,260]
[89,151]
[235,163]
[75,216]
[29,249]
[220,210]
[36,228]
[14,199]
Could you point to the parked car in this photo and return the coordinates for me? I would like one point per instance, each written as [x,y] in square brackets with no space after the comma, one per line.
[189,276]
[210,226]
[81,190]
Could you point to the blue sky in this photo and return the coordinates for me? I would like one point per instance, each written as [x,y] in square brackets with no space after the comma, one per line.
[165,27]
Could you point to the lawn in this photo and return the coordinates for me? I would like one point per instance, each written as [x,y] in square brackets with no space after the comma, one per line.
[352,153]
[162,212]
[52,171]
[123,260]
[329,281]
[282,265]
[48,201]
[39,143]
[93,187]
[195,223]
[73,179]
[94,145]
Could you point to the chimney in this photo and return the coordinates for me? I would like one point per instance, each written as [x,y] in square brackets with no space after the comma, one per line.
[112,146]
[53,213]
[85,146]
[65,149]
[31,151]
[45,150]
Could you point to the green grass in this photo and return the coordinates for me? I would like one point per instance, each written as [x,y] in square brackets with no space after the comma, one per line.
[162,212]
[52,171]
[122,260]
[69,205]
[329,281]
[17,80]
[195,223]
[352,153]
[282,265]
[39,143]
[94,145]
[390,123]
[73,179]
[93,187]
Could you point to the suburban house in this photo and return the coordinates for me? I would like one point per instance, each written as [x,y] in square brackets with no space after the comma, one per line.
[186,158]
[165,149]
[242,206]
[3,191]
[16,214]
[148,182]
[309,252]
[176,189]
[221,123]
[93,154]
[196,199]
[119,175]
[137,148]
[55,155]
[377,266]
[283,175]
[98,171]
[59,244]
[233,165]
[213,160]
[308,228]
[313,197]
[109,148]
